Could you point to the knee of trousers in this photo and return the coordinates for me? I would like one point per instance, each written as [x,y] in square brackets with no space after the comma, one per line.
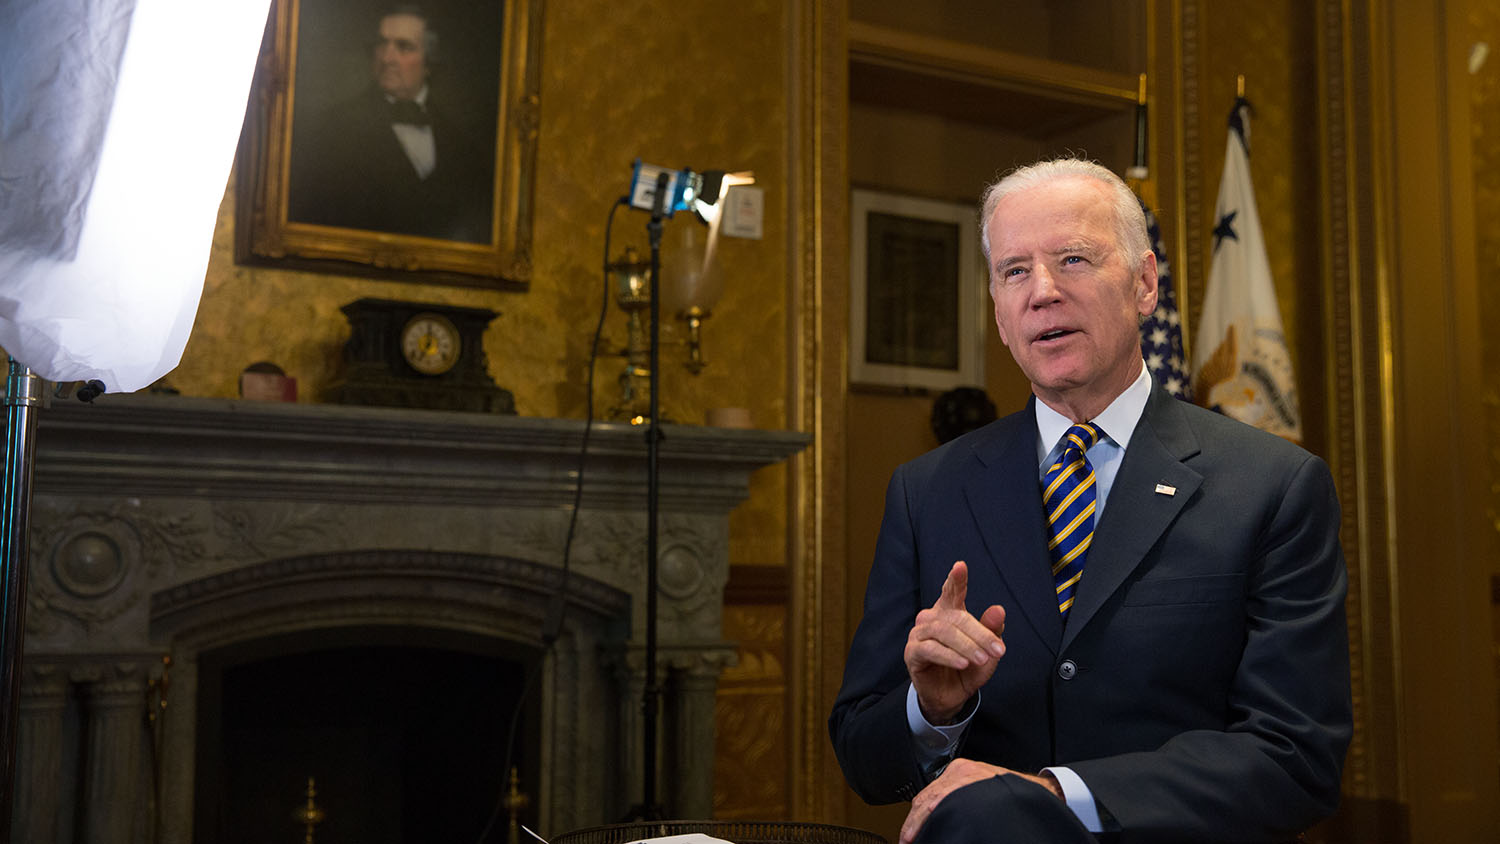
[1003,810]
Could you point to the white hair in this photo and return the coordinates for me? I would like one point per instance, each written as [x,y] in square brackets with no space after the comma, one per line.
[1130,218]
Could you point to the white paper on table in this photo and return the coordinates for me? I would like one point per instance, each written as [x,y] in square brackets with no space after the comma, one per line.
[689,838]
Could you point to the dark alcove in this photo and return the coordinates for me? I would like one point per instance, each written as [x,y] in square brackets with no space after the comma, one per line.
[403,729]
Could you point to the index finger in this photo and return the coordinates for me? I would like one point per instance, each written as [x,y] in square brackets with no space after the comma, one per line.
[956,588]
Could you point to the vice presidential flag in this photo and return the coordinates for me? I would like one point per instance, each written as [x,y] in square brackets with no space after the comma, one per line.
[1241,364]
[118,123]
[1161,332]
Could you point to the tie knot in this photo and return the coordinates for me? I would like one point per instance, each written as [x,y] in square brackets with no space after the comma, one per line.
[1082,436]
[407,111]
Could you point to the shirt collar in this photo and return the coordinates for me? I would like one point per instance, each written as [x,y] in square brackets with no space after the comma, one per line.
[1118,421]
[420,99]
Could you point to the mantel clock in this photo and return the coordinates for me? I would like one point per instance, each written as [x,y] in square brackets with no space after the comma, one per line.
[416,354]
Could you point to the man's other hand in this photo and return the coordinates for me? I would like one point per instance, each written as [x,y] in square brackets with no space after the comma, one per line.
[959,773]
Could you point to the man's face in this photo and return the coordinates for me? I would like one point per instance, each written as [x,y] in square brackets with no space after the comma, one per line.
[400,57]
[1066,303]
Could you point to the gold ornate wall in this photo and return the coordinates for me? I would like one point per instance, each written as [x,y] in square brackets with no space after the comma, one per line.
[750,772]
[1483,27]
[700,85]
[762,84]
[697,87]
[1404,285]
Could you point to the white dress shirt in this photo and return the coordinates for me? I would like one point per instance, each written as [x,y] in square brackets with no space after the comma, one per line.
[417,141]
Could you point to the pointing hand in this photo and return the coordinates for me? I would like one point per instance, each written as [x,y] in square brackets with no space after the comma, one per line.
[950,653]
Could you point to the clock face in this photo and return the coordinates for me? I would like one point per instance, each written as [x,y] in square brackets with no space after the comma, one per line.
[430,343]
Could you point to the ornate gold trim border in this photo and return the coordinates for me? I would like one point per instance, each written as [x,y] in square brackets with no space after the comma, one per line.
[817,265]
[1354,126]
[1341,340]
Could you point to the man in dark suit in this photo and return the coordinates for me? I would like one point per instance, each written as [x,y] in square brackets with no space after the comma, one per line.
[1159,654]
[395,159]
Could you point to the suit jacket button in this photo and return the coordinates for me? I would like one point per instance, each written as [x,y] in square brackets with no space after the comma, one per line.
[1067,670]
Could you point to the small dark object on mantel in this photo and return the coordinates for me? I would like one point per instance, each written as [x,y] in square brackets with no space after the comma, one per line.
[265,381]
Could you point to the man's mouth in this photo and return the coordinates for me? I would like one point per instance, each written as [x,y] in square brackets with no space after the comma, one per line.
[1054,334]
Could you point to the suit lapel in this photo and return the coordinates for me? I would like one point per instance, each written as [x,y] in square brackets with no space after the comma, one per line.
[1137,513]
[1004,498]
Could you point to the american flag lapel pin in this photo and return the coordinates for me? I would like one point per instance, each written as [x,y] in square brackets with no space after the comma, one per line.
[1163,489]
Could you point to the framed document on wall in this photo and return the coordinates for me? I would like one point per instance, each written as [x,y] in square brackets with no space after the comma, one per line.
[917,312]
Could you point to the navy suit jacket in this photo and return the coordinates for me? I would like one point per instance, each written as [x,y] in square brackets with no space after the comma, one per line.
[1201,685]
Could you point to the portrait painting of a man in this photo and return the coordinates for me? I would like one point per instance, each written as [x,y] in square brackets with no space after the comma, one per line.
[394,118]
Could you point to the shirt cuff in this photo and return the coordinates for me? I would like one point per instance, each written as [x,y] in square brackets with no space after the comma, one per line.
[935,745]
[1078,797]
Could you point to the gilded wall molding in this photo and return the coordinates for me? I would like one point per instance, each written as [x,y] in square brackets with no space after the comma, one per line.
[1484,27]
[1340,353]
[752,714]
[1408,380]
[1348,382]
[817,100]
[1189,213]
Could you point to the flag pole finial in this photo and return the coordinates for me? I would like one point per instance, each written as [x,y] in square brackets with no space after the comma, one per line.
[1239,86]
[1139,173]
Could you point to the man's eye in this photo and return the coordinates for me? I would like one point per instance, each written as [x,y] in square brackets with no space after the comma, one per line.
[1072,259]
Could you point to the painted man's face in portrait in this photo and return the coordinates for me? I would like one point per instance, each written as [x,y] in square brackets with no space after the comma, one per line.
[400,56]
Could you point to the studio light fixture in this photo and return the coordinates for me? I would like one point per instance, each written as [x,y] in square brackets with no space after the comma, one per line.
[685,190]
[664,191]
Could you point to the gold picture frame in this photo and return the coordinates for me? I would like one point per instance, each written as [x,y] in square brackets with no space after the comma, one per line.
[321,58]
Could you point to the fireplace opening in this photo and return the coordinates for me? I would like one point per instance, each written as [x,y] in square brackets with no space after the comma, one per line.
[402,729]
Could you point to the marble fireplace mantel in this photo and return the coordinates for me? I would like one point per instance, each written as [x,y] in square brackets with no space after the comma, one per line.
[170,526]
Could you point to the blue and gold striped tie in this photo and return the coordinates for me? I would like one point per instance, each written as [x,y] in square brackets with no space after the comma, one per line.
[1068,496]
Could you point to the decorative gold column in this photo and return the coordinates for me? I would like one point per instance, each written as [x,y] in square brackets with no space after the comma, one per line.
[1356,322]
[817,300]
[1443,545]
[1404,385]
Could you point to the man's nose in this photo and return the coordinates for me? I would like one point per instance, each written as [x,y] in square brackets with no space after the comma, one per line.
[1043,287]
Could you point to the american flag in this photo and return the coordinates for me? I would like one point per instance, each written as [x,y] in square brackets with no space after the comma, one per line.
[1161,332]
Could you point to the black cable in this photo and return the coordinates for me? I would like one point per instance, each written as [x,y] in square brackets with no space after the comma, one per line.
[557,606]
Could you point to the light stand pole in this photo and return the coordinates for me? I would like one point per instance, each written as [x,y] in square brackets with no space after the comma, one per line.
[650,809]
[23,396]
[697,191]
